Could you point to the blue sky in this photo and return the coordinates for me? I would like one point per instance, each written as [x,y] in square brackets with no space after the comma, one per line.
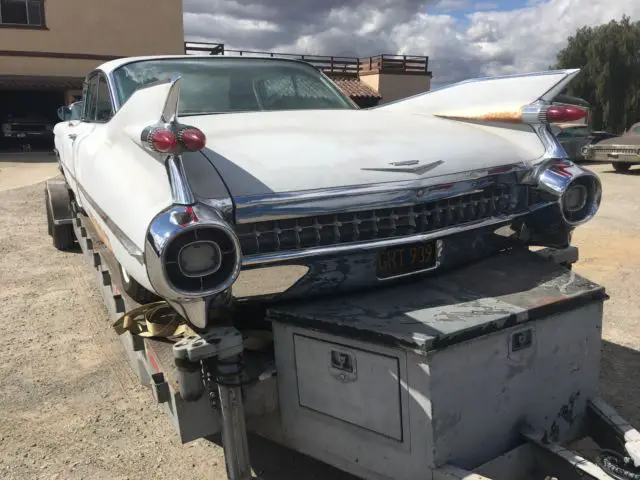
[461,8]
[463,38]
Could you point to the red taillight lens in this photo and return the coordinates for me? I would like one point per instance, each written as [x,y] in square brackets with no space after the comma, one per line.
[163,140]
[564,113]
[192,139]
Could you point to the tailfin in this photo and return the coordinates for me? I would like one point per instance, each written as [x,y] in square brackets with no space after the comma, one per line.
[150,104]
[522,98]
[150,118]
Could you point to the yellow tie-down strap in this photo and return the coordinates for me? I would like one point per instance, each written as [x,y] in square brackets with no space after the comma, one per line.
[156,319]
[160,320]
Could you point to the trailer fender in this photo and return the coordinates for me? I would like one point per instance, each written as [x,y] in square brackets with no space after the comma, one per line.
[59,214]
[59,201]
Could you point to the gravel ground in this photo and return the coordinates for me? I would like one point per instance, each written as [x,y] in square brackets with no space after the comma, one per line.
[71,408]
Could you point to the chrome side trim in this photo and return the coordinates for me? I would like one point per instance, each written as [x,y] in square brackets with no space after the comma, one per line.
[222,205]
[180,189]
[254,208]
[128,244]
[275,257]
[553,148]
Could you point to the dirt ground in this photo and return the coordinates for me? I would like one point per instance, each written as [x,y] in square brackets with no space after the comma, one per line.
[71,408]
[19,170]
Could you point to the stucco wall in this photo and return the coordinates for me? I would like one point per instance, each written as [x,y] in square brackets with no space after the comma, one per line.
[111,28]
[47,66]
[393,86]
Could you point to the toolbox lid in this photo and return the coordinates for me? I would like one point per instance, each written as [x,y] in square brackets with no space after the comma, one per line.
[511,288]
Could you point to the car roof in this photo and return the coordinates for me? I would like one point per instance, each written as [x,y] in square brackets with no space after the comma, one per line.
[112,65]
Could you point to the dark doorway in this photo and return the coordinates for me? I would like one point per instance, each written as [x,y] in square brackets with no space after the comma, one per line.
[27,118]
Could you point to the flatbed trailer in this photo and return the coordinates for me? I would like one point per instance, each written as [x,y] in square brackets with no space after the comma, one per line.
[486,372]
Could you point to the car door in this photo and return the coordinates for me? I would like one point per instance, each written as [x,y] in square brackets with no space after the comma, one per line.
[87,134]
[73,129]
[67,135]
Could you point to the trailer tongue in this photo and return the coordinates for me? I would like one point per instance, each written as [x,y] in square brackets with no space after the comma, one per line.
[489,371]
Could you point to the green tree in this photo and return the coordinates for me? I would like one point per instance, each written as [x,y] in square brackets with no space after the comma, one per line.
[609,56]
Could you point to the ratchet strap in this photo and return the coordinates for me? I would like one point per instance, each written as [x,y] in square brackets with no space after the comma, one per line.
[156,319]
[160,320]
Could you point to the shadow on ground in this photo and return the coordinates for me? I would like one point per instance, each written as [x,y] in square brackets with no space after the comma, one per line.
[271,461]
[632,172]
[620,380]
[27,157]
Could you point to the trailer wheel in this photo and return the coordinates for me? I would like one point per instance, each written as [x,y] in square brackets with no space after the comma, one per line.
[621,167]
[62,236]
[136,291]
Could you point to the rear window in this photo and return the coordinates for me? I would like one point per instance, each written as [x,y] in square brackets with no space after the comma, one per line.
[224,85]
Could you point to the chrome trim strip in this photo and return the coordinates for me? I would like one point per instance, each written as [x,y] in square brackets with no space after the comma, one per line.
[274,257]
[257,208]
[553,148]
[180,189]
[128,244]
[222,205]
[409,166]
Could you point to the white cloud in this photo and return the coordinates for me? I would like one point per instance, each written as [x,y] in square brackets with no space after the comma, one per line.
[487,42]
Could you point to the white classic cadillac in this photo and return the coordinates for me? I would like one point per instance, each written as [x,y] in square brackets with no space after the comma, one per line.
[205,176]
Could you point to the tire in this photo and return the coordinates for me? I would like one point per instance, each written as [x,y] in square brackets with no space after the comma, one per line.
[62,236]
[49,215]
[136,291]
[621,167]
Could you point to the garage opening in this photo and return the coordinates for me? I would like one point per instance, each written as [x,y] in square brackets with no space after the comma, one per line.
[27,118]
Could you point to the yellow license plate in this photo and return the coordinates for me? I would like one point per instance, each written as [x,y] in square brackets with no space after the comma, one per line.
[402,260]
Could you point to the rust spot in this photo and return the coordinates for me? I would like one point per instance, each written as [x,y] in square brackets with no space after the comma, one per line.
[507,116]
[101,234]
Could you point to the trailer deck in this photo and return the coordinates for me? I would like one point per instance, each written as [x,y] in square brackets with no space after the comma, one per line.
[485,370]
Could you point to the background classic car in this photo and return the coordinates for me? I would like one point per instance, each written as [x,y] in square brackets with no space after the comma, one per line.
[201,172]
[575,137]
[623,151]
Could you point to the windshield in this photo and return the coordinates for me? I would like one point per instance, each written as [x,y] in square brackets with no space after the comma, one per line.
[223,85]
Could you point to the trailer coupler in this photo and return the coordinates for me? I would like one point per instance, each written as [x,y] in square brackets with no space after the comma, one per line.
[218,353]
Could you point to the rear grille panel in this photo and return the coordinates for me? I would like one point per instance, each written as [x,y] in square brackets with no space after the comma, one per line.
[618,150]
[382,223]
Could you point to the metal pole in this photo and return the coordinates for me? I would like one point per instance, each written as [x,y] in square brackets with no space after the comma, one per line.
[234,432]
